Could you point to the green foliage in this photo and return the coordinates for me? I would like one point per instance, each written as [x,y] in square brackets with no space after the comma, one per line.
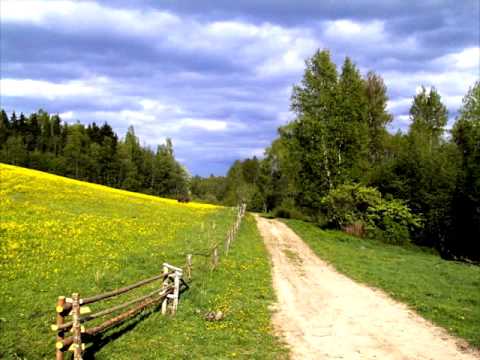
[444,292]
[392,221]
[387,220]
[429,116]
[210,189]
[464,240]
[377,115]
[315,102]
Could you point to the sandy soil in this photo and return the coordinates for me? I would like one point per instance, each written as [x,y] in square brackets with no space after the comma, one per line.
[322,314]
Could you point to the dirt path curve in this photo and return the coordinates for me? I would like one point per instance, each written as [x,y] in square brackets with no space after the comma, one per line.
[324,315]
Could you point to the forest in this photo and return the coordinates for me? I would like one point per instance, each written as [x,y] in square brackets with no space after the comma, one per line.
[93,153]
[336,164]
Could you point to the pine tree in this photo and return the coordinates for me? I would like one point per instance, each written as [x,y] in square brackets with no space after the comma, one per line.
[4,127]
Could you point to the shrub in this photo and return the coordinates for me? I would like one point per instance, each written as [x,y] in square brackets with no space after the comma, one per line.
[288,213]
[360,211]
[282,213]
[392,221]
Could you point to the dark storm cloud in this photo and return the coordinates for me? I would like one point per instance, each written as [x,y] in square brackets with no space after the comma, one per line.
[216,76]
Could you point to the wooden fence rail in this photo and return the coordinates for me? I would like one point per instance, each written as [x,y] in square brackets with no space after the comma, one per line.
[214,252]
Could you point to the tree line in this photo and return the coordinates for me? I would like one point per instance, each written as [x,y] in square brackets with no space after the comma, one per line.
[336,164]
[93,153]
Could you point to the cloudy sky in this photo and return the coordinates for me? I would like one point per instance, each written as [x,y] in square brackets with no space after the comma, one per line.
[216,76]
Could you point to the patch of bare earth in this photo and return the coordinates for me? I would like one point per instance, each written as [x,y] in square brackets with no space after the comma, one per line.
[323,314]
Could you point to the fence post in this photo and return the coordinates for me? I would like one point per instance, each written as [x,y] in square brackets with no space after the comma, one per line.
[60,333]
[215,258]
[227,243]
[189,267]
[165,284]
[76,329]
[176,290]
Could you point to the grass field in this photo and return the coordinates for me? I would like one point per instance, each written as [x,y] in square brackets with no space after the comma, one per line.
[445,292]
[59,235]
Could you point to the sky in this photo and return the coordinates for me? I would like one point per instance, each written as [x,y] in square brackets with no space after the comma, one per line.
[216,76]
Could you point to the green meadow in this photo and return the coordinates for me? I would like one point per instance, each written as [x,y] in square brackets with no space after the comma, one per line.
[59,236]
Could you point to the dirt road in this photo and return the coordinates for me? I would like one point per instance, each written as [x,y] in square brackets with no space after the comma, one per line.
[324,315]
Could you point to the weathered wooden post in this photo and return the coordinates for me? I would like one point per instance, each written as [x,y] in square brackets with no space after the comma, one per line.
[227,242]
[189,266]
[176,290]
[60,333]
[165,284]
[76,328]
[215,257]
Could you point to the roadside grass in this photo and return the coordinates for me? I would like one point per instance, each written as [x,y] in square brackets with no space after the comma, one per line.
[445,292]
[59,235]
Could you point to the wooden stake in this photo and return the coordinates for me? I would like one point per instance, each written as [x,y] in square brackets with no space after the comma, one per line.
[76,329]
[165,285]
[60,321]
[189,266]
[227,243]
[176,291]
[215,258]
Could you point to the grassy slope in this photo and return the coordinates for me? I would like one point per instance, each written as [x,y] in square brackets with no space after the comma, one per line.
[59,235]
[444,292]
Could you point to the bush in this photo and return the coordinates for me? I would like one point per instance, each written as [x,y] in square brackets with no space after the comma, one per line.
[288,213]
[392,221]
[360,210]
[282,213]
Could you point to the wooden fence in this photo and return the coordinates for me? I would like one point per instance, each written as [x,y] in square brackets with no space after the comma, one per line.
[214,251]
[75,309]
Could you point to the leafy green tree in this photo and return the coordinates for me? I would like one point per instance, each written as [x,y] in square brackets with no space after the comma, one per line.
[15,150]
[377,115]
[429,116]
[464,239]
[75,150]
[426,168]
[315,102]
[350,131]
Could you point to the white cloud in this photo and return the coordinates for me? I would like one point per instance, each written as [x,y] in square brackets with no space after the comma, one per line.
[50,90]
[349,30]
[75,16]
[67,116]
[203,124]
[466,59]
